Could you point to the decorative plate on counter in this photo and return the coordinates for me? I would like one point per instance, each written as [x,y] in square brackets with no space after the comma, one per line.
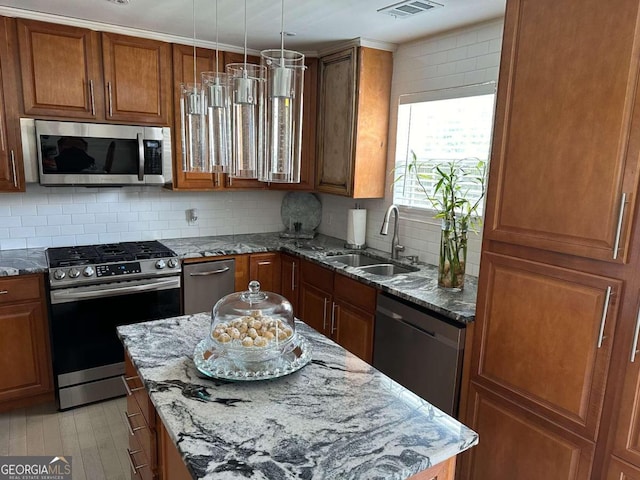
[302,208]
[216,363]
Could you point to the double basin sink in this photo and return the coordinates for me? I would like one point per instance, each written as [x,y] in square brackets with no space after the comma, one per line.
[372,265]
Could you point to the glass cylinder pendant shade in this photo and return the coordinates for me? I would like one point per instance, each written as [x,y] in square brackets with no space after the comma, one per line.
[285,82]
[217,113]
[247,123]
[193,133]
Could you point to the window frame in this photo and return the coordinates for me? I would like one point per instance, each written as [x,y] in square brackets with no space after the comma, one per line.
[418,214]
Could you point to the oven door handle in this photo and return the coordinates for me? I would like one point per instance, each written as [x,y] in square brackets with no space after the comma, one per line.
[74,294]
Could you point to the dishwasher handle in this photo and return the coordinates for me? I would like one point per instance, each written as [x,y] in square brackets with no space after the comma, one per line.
[210,272]
[400,318]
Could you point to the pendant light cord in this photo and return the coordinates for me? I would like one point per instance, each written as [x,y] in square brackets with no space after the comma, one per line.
[193,3]
[282,35]
[217,46]
[245,38]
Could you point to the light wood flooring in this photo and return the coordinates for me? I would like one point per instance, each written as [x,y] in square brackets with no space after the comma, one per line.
[95,436]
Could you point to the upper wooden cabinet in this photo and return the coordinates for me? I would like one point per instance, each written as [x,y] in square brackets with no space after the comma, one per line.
[71,72]
[11,165]
[137,79]
[61,70]
[564,165]
[353,122]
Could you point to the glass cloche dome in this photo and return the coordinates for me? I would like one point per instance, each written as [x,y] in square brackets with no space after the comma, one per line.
[252,325]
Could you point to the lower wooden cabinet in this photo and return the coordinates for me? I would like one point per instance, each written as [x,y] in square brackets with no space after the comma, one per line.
[339,307]
[170,465]
[290,280]
[265,268]
[25,358]
[516,444]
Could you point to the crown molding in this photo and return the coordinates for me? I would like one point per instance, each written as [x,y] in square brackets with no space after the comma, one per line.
[358,42]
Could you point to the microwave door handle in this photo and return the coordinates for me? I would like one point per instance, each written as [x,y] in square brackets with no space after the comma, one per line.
[140,157]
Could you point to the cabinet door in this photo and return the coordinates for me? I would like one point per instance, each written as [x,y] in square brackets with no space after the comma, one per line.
[265,268]
[315,306]
[11,164]
[137,79]
[516,445]
[183,73]
[24,351]
[564,165]
[336,122]
[627,432]
[543,338]
[61,73]
[619,470]
[290,284]
[353,329]
[171,466]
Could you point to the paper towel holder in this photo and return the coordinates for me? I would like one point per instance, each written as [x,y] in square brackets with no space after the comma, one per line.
[352,246]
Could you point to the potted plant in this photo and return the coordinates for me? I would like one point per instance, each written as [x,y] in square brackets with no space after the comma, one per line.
[446,184]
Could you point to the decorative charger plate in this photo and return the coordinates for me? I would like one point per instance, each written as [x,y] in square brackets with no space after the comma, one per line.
[217,363]
[303,208]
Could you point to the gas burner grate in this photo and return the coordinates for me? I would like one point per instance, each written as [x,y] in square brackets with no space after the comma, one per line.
[107,253]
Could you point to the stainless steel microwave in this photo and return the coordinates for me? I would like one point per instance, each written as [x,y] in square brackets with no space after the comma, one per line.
[92,154]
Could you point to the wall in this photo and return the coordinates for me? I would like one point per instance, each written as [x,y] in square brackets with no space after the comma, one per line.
[63,216]
[460,57]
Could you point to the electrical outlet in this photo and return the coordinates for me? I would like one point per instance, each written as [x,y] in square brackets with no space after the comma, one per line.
[192,216]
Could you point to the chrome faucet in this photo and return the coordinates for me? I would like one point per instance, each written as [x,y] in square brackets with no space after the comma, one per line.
[396,248]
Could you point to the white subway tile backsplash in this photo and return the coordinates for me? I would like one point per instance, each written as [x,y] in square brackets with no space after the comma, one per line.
[109,237]
[95,228]
[48,231]
[38,242]
[33,221]
[13,243]
[87,238]
[58,219]
[49,209]
[8,222]
[5,211]
[117,227]
[73,229]
[106,217]
[83,218]
[4,233]
[74,208]
[124,217]
[63,241]
[18,210]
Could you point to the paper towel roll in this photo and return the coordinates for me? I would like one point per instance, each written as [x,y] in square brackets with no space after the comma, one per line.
[356,226]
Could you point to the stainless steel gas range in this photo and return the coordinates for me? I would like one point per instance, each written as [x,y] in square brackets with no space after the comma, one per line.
[95,288]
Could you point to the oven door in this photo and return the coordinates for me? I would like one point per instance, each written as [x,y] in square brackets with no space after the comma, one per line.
[87,353]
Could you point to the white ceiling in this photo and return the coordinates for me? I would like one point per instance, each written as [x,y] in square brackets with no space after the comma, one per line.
[318,24]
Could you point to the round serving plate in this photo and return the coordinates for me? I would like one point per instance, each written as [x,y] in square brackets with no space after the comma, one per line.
[216,363]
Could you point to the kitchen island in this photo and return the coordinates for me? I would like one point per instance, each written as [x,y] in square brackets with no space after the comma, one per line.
[336,418]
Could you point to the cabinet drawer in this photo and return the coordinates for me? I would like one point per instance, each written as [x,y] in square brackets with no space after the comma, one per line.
[143,434]
[317,276]
[139,463]
[355,293]
[138,393]
[18,289]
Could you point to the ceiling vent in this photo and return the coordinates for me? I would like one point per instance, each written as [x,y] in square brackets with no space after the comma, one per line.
[409,8]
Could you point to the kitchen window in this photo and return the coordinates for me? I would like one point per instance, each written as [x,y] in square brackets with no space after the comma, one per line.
[441,125]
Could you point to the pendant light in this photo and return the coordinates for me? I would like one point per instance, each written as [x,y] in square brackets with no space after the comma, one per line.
[192,127]
[247,123]
[283,113]
[218,115]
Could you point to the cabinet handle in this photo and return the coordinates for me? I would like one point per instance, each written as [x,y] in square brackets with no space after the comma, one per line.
[293,277]
[212,272]
[604,316]
[110,100]
[324,314]
[132,430]
[92,97]
[4,292]
[634,345]
[135,468]
[126,385]
[333,318]
[616,243]
[13,169]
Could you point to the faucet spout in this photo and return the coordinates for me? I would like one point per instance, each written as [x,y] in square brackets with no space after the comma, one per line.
[396,248]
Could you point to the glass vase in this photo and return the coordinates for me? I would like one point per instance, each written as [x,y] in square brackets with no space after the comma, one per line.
[453,255]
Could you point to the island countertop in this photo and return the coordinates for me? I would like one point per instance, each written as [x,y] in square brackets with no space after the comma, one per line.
[337,417]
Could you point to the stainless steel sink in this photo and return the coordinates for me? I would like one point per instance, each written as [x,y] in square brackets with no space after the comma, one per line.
[387,269]
[354,259]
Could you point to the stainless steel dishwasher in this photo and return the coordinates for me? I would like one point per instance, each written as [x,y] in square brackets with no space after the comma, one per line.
[420,350]
[206,283]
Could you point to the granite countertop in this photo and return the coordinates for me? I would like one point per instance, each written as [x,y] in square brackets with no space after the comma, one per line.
[419,287]
[337,417]
[22,261]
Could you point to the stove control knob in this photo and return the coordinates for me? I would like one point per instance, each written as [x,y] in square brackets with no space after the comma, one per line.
[88,271]
[173,263]
[160,264]
[59,274]
[74,273]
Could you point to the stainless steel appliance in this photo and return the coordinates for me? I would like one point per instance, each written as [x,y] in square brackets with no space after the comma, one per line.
[206,283]
[420,350]
[71,153]
[94,289]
